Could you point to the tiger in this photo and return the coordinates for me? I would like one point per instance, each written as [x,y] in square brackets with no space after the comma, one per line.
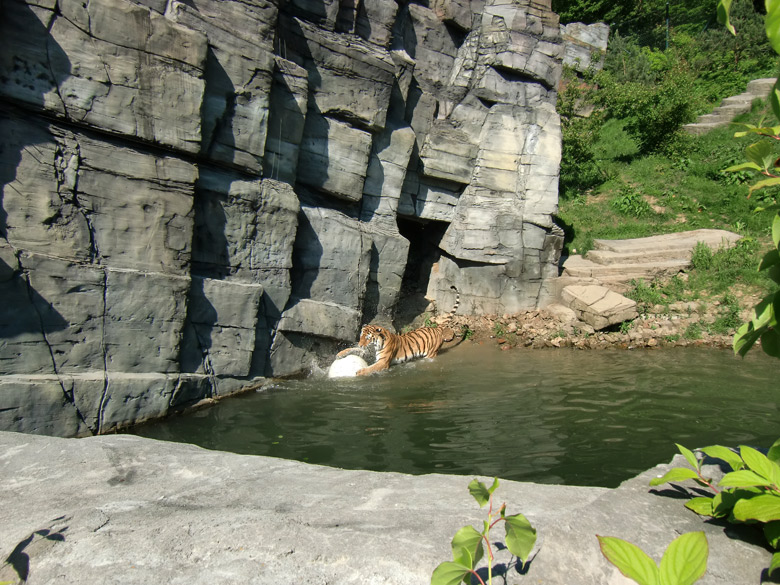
[391,348]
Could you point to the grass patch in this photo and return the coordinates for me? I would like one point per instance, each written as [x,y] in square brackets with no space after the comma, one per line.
[683,188]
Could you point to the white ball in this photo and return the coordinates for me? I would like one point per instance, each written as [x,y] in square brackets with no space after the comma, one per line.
[346,367]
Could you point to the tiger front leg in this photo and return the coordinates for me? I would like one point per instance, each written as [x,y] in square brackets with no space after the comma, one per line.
[350,351]
[377,367]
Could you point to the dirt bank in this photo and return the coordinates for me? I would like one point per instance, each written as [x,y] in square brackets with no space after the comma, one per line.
[680,324]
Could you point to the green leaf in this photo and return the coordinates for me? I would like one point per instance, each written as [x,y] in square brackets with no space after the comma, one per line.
[774,564]
[776,231]
[689,456]
[758,462]
[772,25]
[676,474]
[467,547]
[764,508]
[724,501]
[493,487]
[765,183]
[723,15]
[772,534]
[774,93]
[764,312]
[774,452]
[702,505]
[480,493]
[449,573]
[774,275]
[746,166]
[770,342]
[630,560]
[520,536]
[743,478]
[724,454]
[685,561]
[770,259]
[761,154]
[745,337]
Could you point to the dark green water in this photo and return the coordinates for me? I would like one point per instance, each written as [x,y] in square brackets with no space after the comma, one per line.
[558,416]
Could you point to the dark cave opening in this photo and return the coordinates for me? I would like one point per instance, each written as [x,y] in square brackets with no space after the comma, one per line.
[424,237]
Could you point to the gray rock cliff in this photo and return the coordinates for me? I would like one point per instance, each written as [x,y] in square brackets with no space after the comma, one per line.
[196,194]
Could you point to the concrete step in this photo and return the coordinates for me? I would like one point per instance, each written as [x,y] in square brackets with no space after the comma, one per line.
[681,242]
[615,263]
[580,267]
[761,87]
[731,107]
[717,118]
[607,257]
[697,129]
[738,101]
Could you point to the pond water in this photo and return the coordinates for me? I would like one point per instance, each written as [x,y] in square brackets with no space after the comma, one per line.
[548,416]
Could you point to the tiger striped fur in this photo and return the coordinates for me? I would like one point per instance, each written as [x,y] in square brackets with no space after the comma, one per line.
[394,349]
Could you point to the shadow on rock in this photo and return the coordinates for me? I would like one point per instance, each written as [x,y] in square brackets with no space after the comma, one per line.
[19,559]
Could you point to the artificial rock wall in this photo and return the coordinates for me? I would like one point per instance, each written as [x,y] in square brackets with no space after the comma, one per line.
[198,193]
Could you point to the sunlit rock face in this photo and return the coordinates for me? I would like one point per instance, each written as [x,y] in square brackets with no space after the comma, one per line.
[199,193]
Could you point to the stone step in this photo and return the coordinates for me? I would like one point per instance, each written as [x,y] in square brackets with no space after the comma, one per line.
[580,267]
[679,241]
[608,257]
[730,107]
[738,101]
[697,129]
[761,87]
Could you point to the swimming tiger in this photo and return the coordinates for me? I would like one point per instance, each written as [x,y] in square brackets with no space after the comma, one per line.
[395,349]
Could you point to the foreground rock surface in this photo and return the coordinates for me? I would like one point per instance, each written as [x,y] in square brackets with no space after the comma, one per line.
[121,509]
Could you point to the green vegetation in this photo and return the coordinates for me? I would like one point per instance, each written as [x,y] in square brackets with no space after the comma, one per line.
[629,171]
[748,494]
[468,545]
[684,561]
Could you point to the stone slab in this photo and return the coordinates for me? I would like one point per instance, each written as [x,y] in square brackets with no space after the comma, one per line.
[679,242]
[598,306]
[122,509]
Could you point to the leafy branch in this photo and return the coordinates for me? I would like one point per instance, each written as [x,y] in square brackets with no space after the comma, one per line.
[684,561]
[749,493]
[761,159]
[468,545]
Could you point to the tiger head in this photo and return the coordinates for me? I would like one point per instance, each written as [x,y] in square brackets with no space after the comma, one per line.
[373,335]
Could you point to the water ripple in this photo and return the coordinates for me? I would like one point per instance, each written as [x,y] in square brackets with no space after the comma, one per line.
[574,417]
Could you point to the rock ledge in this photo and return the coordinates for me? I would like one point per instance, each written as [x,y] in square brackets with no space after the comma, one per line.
[122,509]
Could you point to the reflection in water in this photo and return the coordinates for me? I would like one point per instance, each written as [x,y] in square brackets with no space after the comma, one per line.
[559,416]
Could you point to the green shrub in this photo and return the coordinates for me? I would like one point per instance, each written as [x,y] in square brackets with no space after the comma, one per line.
[579,168]
[693,331]
[645,294]
[729,319]
[701,259]
[653,114]
[630,202]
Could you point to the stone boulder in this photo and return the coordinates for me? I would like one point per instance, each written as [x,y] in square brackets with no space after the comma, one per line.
[584,45]
[599,306]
